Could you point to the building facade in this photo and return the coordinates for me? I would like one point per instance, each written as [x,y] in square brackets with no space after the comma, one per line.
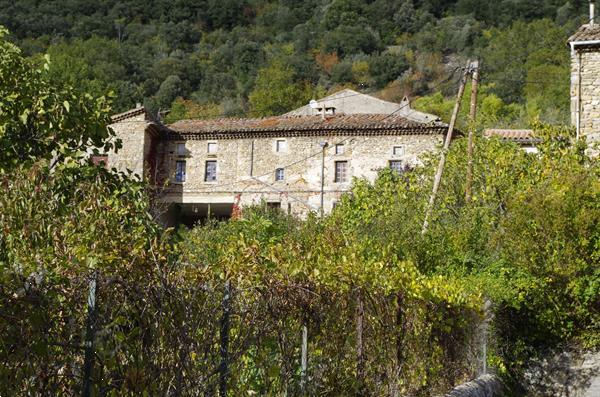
[585,80]
[299,163]
[526,139]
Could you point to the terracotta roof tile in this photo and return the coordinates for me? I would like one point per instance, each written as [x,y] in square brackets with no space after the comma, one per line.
[586,33]
[304,125]
[511,135]
[130,113]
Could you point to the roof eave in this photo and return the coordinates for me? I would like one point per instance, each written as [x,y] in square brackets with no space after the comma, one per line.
[224,134]
[584,43]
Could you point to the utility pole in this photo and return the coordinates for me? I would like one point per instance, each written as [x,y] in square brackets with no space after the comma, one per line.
[472,116]
[440,170]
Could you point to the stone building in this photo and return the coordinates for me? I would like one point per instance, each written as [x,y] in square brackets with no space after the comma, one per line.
[526,139]
[585,80]
[297,162]
[351,102]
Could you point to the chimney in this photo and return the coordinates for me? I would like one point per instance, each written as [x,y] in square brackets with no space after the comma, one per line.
[592,13]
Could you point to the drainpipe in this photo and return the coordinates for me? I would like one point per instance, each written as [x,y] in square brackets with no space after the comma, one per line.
[577,55]
[252,158]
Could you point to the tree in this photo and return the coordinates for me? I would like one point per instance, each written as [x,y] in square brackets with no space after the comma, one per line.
[277,92]
[168,91]
[41,118]
[512,52]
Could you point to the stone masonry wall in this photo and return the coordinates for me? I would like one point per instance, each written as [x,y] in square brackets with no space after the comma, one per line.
[136,145]
[300,188]
[590,92]
[484,386]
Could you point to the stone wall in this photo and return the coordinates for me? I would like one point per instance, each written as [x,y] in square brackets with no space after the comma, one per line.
[246,167]
[590,92]
[484,386]
[138,146]
[568,373]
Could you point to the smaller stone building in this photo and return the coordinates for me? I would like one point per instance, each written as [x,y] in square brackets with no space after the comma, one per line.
[348,101]
[524,138]
[299,163]
[585,80]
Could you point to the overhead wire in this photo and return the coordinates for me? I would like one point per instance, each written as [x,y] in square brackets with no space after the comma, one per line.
[270,172]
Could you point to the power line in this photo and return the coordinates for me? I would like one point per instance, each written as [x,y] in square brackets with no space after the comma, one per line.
[340,142]
[430,89]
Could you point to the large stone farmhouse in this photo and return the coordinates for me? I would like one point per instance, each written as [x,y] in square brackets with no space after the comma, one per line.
[300,162]
[305,160]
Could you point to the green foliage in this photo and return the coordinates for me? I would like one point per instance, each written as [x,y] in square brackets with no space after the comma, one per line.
[182,109]
[529,241]
[58,227]
[216,48]
[311,272]
[492,111]
[530,57]
[277,92]
[42,118]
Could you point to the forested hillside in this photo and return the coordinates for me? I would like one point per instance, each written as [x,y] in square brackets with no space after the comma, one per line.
[208,58]
[96,299]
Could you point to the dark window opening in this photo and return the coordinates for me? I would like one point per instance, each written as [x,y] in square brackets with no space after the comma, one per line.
[399,166]
[180,171]
[210,171]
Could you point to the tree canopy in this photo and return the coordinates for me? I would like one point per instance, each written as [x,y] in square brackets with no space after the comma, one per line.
[210,52]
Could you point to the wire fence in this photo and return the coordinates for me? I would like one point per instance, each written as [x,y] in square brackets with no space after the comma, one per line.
[176,334]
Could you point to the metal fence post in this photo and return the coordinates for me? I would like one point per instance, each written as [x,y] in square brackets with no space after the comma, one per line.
[224,349]
[88,364]
[304,359]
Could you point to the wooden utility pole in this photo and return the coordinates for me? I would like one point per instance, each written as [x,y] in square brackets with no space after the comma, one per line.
[440,170]
[472,116]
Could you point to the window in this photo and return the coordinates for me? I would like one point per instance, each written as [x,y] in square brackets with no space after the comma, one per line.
[341,171]
[273,205]
[397,166]
[180,171]
[212,147]
[181,149]
[210,171]
[340,148]
[100,160]
[281,145]
[279,174]
[399,151]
